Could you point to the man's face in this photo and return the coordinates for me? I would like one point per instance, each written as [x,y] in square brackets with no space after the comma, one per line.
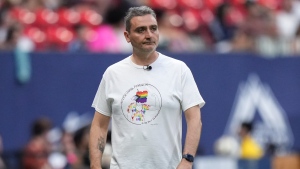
[143,34]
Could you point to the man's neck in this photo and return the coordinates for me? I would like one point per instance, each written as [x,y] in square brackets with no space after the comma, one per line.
[144,58]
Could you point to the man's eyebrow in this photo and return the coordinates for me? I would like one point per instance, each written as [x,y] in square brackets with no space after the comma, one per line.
[153,26]
[140,27]
[145,26]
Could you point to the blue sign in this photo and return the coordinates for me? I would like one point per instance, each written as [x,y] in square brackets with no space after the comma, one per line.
[235,87]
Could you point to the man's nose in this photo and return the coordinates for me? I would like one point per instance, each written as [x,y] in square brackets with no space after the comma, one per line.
[148,33]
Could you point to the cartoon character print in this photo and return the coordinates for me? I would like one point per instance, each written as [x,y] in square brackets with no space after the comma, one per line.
[141,104]
[138,109]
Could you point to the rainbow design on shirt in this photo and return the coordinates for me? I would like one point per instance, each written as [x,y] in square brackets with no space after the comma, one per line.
[131,108]
[138,110]
[138,117]
[141,104]
[144,108]
[141,96]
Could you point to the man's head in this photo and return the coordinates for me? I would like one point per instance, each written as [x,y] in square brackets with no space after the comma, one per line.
[137,11]
[141,29]
[245,129]
[41,126]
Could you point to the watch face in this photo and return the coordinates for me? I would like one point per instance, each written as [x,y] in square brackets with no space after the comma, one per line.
[188,157]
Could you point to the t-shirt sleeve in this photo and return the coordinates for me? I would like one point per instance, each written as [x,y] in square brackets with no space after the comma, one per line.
[101,103]
[190,93]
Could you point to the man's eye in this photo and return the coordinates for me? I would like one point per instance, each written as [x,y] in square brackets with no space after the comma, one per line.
[154,28]
[140,30]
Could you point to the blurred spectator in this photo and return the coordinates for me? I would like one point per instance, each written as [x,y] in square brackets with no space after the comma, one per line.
[227,146]
[256,26]
[110,35]
[296,7]
[37,150]
[11,32]
[107,154]
[52,4]
[261,24]
[15,39]
[104,5]
[32,5]
[296,42]
[69,149]
[79,43]
[287,20]
[250,149]
[259,20]
[81,140]
[222,28]
[105,40]
[242,42]
[5,21]
[2,164]
[173,38]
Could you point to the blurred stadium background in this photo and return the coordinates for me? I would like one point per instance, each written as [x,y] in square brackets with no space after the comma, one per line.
[244,55]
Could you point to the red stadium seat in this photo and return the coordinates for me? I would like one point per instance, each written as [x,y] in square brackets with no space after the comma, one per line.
[163,4]
[68,17]
[213,4]
[38,36]
[193,19]
[60,35]
[90,17]
[23,15]
[90,34]
[207,15]
[46,17]
[192,4]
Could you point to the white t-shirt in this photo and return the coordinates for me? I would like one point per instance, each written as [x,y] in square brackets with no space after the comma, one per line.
[146,110]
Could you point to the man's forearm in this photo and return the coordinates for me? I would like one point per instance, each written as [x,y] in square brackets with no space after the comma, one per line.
[98,134]
[194,127]
[96,146]
[101,144]
[192,137]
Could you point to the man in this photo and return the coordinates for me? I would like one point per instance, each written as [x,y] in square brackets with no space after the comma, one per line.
[250,149]
[37,150]
[145,95]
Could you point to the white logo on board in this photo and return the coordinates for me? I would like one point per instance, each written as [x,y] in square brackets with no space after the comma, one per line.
[253,97]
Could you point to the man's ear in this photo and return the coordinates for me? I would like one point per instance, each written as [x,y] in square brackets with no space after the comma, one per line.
[126,35]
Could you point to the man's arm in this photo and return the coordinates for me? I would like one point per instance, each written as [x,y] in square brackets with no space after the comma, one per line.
[98,134]
[194,126]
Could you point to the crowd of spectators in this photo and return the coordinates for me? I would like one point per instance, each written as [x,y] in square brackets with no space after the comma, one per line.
[50,147]
[268,27]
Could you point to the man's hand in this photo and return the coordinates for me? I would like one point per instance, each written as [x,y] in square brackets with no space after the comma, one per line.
[184,164]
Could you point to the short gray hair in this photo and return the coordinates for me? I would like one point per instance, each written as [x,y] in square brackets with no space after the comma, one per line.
[137,11]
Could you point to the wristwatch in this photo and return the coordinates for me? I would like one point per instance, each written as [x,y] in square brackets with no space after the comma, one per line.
[188,157]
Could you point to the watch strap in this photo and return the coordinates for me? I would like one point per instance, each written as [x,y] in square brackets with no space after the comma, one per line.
[188,157]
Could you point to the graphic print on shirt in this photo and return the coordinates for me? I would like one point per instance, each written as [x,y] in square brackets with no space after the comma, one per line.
[141,104]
